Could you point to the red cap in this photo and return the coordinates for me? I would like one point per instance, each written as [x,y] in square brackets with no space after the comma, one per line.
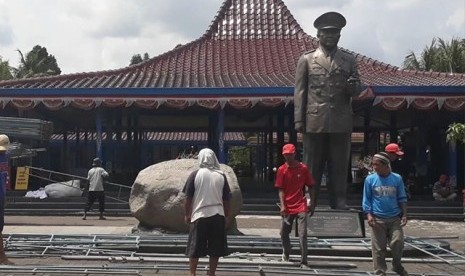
[288,149]
[394,148]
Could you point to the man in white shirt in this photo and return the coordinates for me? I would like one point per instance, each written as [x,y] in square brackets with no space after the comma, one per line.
[206,211]
[96,176]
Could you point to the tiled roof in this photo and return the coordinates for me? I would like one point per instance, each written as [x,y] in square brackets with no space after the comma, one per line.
[250,43]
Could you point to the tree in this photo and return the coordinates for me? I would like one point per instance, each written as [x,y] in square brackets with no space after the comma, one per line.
[138,58]
[239,160]
[37,63]
[456,133]
[439,56]
[146,56]
[5,70]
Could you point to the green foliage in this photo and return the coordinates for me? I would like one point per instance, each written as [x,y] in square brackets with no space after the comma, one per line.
[439,56]
[146,56]
[136,59]
[456,133]
[239,160]
[37,63]
[5,70]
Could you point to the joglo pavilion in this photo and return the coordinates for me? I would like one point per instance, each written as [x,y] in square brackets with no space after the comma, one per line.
[231,87]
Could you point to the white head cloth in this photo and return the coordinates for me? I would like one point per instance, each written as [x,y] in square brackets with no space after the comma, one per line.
[382,158]
[207,159]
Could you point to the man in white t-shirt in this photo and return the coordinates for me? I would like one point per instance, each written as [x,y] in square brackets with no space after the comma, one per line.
[96,176]
[206,211]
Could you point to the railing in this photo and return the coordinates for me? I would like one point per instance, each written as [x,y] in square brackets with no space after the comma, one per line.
[59,177]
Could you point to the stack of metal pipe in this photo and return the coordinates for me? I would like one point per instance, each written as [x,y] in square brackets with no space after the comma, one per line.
[26,128]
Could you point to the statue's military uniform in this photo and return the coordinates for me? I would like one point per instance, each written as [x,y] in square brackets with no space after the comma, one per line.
[325,85]
[323,97]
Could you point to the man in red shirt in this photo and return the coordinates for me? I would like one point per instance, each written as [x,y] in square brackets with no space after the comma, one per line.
[292,179]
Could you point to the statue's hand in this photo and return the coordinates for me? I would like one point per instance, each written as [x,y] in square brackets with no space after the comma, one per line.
[353,85]
[353,80]
[299,127]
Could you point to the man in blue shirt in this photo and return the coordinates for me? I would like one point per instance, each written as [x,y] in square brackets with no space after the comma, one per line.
[385,205]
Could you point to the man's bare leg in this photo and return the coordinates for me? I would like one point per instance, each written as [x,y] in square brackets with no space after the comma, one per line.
[193,265]
[213,265]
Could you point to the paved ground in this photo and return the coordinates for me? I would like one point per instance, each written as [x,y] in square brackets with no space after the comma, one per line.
[261,226]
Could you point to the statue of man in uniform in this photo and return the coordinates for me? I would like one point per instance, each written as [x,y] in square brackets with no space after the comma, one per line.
[326,81]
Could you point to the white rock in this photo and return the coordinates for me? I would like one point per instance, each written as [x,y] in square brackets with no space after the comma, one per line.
[157,200]
[63,189]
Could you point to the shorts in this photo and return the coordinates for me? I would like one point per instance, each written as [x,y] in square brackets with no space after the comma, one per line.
[207,236]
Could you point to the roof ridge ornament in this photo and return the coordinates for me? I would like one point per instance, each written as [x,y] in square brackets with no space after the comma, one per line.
[253,19]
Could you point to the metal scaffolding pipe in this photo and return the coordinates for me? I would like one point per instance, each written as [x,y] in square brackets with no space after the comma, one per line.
[133,246]
[65,270]
[135,270]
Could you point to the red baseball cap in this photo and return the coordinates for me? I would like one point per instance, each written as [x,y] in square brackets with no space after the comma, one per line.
[394,148]
[288,149]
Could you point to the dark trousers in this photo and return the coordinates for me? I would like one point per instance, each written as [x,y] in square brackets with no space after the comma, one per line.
[92,196]
[207,236]
[331,150]
[286,227]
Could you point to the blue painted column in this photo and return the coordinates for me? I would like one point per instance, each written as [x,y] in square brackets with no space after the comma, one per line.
[98,129]
[292,132]
[279,140]
[453,162]
[220,135]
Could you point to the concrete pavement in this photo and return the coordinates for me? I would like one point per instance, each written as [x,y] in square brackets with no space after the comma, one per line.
[259,226]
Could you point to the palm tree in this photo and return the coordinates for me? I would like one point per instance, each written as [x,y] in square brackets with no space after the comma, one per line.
[439,56]
[5,70]
[37,63]
[442,56]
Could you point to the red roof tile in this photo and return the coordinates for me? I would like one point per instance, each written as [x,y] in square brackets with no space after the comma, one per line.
[250,43]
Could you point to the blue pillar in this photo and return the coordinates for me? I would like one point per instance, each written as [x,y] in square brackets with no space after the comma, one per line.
[220,135]
[98,129]
[453,162]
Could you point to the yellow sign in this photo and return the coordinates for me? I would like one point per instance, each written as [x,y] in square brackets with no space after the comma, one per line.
[22,178]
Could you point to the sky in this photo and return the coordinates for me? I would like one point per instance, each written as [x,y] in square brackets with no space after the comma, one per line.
[97,35]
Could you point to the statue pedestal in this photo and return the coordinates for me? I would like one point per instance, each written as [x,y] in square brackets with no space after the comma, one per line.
[336,224]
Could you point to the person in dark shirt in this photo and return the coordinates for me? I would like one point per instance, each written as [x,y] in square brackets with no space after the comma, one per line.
[4,143]
[395,156]
[443,189]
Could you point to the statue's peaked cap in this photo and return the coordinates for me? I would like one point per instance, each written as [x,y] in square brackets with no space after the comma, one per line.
[330,20]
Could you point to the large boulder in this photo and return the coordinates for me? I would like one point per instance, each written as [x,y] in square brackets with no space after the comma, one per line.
[157,200]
